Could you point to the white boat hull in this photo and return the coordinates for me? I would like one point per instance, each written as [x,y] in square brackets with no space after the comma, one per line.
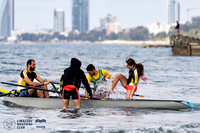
[52,103]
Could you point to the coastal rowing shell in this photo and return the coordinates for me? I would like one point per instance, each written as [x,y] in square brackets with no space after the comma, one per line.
[108,103]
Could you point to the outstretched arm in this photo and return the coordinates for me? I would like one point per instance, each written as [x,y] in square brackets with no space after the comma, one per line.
[31,83]
[144,78]
[38,78]
[86,85]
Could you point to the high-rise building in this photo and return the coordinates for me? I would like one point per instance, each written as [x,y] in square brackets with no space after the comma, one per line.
[110,24]
[113,27]
[59,20]
[6,17]
[108,19]
[173,11]
[80,15]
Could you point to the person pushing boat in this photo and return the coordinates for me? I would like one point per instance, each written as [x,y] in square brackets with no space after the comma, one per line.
[70,83]
[26,78]
[136,71]
[96,77]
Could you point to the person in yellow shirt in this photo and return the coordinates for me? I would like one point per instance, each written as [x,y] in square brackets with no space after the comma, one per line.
[96,76]
[27,77]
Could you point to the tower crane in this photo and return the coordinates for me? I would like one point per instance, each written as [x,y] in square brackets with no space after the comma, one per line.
[188,13]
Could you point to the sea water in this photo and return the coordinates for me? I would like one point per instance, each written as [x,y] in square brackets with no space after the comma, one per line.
[169,77]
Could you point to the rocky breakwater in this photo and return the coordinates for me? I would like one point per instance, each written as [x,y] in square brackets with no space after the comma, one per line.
[185,45]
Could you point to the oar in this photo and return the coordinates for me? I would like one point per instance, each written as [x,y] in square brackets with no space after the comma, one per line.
[24,85]
[7,92]
[91,98]
[56,83]
[14,91]
[138,95]
[28,87]
[52,83]
[125,93]
[134,94]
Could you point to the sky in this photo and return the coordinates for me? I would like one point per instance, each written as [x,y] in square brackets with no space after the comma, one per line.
[38,14]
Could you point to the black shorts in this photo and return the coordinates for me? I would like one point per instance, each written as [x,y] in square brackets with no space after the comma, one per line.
[72,93]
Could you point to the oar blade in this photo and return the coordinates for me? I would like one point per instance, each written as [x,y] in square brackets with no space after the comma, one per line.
[4,90]
[141,95]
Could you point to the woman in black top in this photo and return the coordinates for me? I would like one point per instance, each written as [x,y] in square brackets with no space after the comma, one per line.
[136,71]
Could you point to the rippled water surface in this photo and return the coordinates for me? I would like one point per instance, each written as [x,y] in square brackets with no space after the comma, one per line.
[170,77]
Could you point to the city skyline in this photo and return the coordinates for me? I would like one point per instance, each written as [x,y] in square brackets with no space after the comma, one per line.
[130,13]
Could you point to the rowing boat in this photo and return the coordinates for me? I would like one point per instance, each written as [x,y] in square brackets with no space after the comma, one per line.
[51,103]
[93,103]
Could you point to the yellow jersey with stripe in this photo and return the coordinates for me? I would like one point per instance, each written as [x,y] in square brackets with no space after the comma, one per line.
[104,72]
[33,75]
[133,78]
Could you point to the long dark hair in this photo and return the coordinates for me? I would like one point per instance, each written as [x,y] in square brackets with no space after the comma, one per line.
[139,66]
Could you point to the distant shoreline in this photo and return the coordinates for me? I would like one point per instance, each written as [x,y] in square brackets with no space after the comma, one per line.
[114,42]
[134,42]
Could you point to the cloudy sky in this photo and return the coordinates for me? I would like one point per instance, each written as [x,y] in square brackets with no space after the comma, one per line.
[32,14]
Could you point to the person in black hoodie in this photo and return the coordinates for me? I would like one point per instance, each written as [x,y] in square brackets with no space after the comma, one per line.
[70,82]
